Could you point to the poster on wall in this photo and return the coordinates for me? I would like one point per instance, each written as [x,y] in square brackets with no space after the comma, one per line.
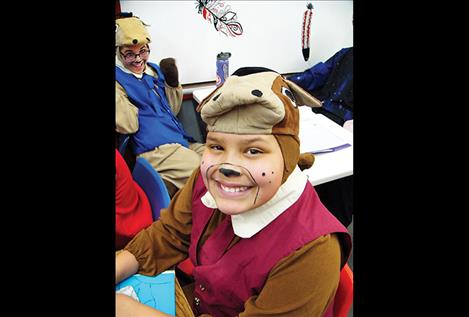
[221,16]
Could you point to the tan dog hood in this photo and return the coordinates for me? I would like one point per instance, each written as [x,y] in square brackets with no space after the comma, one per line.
[131,31]
[258,103]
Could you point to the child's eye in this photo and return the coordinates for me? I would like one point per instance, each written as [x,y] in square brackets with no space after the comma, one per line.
[216,147]
[254,151]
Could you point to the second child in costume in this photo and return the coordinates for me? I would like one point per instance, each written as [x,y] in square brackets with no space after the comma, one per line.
[260,240]
[148,98]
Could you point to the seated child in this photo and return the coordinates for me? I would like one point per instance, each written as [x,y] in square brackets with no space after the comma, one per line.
[260,240]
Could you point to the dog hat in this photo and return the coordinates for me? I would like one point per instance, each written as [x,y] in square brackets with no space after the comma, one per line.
[256,100]
[131,31]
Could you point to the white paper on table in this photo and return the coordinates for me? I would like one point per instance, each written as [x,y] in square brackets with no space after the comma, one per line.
[316,138]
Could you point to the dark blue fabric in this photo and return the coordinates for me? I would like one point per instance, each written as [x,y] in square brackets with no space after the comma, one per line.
[332,83]
[157,123]
[315,77]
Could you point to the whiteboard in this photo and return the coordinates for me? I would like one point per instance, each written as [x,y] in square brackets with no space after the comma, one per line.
[271,35]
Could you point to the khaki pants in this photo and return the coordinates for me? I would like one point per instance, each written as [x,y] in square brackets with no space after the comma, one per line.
[183,308]
[174,162]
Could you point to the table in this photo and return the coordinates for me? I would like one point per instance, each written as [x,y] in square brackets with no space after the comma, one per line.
[327,166]
[200,94]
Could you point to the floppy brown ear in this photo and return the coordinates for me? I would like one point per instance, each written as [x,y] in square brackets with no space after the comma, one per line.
[306,160]
[303,98]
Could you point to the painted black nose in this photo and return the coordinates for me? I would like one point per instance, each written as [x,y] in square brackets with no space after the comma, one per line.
[229,172]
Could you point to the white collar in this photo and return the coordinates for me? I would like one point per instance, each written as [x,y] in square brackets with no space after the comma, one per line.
[148,70]
[249,223]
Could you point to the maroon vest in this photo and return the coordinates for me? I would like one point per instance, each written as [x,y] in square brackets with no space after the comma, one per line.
[225,280]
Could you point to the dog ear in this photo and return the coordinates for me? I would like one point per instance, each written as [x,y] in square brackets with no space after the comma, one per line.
[305,161]
[302,97]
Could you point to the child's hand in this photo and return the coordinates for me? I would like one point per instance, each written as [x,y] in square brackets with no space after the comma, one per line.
[170,71]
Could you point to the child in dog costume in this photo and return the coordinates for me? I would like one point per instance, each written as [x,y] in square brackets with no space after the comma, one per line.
[148,98]
[260,240]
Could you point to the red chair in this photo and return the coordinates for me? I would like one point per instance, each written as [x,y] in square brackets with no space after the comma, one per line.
[186,266]
[344,295]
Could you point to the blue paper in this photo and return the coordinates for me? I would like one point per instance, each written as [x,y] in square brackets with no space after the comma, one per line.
[155,291]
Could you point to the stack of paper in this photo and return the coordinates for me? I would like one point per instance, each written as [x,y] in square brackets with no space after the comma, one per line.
[316,138]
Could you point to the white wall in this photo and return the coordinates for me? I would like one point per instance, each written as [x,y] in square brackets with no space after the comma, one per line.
[271,37]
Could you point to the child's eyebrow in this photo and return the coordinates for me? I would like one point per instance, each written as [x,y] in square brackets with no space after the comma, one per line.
[254,140]
[212,139]
[247,140]
[131,51]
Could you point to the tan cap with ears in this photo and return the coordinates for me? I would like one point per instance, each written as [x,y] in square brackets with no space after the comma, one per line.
[259,101]
[131,31]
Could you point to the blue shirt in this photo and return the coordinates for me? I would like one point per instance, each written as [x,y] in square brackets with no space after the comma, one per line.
[157,123]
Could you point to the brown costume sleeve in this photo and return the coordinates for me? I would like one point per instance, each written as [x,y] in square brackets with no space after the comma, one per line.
[302,284]
[166,242]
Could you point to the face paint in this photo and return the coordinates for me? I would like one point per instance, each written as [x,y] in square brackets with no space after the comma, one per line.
[134,57]
[234,170]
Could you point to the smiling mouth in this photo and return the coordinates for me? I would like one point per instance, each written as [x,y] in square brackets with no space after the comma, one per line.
[233,189]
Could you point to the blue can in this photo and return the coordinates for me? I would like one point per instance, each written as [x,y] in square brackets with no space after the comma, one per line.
[222,67]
